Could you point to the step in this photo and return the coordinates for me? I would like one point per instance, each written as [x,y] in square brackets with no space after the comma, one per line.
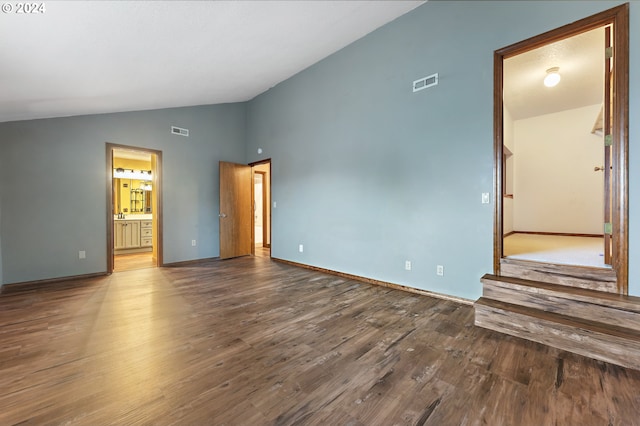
[604,307]
[602,279]
[605,342]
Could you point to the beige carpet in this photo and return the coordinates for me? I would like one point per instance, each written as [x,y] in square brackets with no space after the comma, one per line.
[584,251]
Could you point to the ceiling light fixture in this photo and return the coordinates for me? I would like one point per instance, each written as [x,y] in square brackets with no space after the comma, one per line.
[132,174]
[553,77]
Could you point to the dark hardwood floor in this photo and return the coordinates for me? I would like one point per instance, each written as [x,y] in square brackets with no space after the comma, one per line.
[251,341]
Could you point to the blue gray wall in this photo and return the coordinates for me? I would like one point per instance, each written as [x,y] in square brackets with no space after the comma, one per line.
[1,280]
[53,185]
[367,174]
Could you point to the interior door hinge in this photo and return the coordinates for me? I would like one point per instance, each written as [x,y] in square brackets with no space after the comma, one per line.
[608,140]
[608,52]
[608,228]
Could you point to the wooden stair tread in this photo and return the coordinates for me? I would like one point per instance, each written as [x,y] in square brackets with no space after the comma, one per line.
[585,324]
[574,291]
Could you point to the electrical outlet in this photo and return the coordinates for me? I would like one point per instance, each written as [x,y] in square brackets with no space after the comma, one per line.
[193,243]
[82,254]
[440,270]
[407,265]
[300,248]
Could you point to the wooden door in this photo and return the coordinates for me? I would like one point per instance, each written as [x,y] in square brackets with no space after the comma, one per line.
[235,210]
[607,127]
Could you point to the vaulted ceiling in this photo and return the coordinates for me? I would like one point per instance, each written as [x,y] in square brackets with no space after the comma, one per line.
[104,56]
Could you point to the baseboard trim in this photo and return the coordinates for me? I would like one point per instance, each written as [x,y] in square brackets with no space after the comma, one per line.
[558,234]
[189,262]
[378,282]
[22,286]
[508,234]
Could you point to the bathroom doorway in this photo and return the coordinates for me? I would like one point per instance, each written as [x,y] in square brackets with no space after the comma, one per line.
[134,213]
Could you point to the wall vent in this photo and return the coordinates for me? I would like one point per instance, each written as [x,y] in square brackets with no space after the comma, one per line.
[179,131]
[425,82]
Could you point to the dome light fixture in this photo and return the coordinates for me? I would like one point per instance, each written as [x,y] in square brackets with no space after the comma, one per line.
[553,77]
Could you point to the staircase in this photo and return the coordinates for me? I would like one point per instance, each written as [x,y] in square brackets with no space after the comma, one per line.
[596,324]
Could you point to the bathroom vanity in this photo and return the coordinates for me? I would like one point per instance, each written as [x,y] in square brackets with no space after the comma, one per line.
[133,234]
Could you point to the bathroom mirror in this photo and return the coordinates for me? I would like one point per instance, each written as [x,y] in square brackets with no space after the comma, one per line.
[132,196]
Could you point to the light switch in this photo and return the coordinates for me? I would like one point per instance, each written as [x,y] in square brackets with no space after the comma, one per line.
[485,198]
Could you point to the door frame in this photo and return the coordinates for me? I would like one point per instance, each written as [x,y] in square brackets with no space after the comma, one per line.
[266,189]
[619,17]
[157,202]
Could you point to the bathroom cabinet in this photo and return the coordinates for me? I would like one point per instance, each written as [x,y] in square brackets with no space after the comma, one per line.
[132,236]
[126,234]
[146,233]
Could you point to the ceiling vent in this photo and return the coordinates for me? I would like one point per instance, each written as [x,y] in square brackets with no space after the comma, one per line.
[425,82]
[179,131]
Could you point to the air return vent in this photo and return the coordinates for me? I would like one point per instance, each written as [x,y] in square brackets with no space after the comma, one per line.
[179,131]
[425,82]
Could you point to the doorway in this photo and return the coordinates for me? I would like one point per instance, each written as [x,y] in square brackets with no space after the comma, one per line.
[554,152]
[134,212]
[261,209]
[237,213]
[562,185]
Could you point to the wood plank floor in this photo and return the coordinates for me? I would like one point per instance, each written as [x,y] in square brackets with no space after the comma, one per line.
[254,342]
[129,262]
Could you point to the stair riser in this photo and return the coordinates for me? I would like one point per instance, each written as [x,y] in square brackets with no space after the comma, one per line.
[565,275]
[588,308]
[613,349]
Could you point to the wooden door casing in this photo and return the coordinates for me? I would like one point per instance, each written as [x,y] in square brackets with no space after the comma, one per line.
[618,18]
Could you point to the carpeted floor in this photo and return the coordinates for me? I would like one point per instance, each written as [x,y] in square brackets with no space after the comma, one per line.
[585,251]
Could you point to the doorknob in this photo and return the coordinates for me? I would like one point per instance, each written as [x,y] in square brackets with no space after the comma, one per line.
[222,215]
[597,169]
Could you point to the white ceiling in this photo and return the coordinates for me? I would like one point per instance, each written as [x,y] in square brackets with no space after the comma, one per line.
[581,62]
[132,155]
[106,56]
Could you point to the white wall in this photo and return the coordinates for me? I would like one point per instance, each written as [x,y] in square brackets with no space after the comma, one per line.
[555,186]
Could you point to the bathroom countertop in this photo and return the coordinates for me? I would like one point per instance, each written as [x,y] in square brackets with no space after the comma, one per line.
[134,217]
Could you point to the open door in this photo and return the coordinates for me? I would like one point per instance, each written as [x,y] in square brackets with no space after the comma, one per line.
[608,142]
[235,210]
